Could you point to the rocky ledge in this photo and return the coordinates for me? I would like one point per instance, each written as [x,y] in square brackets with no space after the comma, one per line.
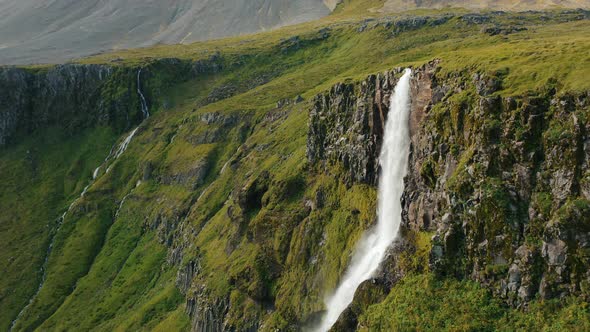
[73,97]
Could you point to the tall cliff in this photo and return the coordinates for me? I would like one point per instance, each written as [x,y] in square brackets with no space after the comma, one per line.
[75,97]
[70,96]
[501,182]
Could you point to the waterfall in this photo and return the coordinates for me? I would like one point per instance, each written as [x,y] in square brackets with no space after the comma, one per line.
[95,173]
[373,246]
[125,199]
[144,107]
[125,143]
[146,114]
[122,147]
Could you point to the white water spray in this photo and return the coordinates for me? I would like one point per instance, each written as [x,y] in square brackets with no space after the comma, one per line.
[143,102]
[125,143]
[95,173]
[372,248]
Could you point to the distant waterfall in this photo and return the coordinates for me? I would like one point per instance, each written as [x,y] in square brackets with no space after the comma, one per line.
[372,248]
[143,102]
[146,114]
[114,154]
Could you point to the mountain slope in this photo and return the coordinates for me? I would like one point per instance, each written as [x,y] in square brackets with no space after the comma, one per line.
[58,30]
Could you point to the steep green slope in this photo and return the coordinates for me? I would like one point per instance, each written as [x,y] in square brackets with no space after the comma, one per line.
[214,217]
[60,31]
[40,177]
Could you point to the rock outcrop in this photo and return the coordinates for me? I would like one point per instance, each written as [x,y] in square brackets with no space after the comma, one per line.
[496,178]
[73,97]
[346,125]
[501,181]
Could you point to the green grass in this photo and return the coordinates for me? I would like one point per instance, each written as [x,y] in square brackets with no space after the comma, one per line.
[40,176]
[531,58]
[425,303]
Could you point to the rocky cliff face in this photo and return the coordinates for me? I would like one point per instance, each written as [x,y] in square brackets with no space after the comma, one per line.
[501,181]
[73,97]
[500,185]
[219,216]
[346,125]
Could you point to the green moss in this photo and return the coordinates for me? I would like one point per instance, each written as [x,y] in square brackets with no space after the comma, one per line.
[542,202]
[558,131]
[460,181]
[492,130]
[417,261]
[428,173]
[423,302]
[569,314]
[573,216]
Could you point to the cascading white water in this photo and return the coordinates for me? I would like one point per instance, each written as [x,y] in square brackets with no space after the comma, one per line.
[373,246]
[143,102]
[122,147]
[125,143]
[146,114]
[95,173]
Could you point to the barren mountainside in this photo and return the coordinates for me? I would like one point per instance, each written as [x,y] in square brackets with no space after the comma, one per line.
[58,30]
[55,31]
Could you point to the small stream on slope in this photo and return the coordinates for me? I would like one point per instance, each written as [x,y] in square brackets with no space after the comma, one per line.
[114,154]
[372,248]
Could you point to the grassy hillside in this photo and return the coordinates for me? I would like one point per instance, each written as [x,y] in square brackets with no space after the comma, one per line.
[540,49]
[403,5]
[219,174]
[423,302]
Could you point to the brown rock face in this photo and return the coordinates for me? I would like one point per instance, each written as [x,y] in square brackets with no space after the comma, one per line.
[493,177]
